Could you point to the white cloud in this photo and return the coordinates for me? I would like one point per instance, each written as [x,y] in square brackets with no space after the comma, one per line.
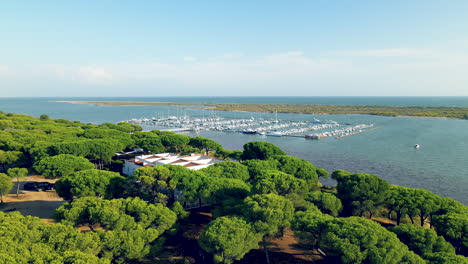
[230,56]
[392,52]
[94,75]
[189,59]
[288,73]
[4,70]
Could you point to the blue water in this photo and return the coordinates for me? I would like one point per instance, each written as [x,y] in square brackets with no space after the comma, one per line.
[440,165]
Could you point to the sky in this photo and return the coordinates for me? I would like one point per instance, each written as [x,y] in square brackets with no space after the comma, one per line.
[233,48]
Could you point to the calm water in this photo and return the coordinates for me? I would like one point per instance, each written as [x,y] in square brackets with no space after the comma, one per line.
[440,165]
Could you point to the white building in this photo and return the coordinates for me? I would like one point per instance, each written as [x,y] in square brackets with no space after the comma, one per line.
[192,162]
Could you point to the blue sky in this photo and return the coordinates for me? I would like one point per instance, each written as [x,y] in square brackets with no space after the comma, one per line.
[206,48]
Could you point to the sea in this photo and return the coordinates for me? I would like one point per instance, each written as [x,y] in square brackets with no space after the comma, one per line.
[439,165]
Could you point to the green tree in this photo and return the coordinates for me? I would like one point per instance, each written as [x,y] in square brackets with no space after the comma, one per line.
[149,142]
[229,239]
[71,147]
[309,225]
[220,189]
[354,239]
[297,167]
[421,240]
[277,182]
[102,150]
[175,142]
[269,214]
[27,239]
[131,225]
[228,169]
[5,185]
[89,183]
[224,154]
[44,117]
[153,184]
[179,210]
[18,173]
[449,205]
[191,185]
[326,202]
[236,155]
[361,192]
[8,158]
[454,228]
[401,201]
[77,257]
[105,133]
[260,150]
[446,258]
[125,245]
[116,214]
[123,126]
[424,204]
[256,167]
[62,165]
[322,173]
[205,144]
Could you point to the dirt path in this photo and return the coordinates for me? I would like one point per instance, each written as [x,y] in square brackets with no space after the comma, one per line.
[283,250]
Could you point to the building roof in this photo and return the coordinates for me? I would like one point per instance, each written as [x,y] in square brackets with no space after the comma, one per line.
[193,161]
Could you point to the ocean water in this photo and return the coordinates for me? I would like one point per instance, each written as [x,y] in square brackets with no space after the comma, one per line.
[440,165]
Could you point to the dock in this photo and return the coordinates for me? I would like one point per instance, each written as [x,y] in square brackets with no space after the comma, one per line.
[352,134]
[182,129]
[294,136]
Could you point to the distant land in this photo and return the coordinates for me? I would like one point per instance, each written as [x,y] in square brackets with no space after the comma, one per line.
[413,111]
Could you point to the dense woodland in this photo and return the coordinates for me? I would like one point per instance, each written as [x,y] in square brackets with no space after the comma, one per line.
[254,195]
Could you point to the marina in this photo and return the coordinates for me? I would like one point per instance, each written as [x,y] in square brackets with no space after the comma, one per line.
[256,126]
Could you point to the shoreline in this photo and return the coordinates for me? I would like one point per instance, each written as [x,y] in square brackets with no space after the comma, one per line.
[391,111]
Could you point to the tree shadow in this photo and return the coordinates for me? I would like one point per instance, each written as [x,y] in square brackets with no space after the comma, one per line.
[41,209]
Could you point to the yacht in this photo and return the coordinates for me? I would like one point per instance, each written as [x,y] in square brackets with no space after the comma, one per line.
[275,134]
[249,131]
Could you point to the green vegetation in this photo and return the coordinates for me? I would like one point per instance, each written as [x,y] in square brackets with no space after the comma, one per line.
[90,183]
[62,165]
[5,185]
[328,203]
[260,150]
[416,111]
[228,239]
[110,218]
[421,240]
[353,239]
[18,174]
[26,239]
[360,192]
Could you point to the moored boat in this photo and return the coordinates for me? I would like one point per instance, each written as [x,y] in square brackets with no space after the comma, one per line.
[275,134]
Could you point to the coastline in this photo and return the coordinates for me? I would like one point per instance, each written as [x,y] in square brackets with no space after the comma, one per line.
[395,111]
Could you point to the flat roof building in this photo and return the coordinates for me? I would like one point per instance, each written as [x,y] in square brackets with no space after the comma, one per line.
[192,161]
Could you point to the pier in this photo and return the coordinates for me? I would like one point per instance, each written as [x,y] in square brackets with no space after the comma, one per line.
[179,129]
[352,134]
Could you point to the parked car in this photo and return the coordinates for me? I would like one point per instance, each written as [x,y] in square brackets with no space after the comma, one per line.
[38,186]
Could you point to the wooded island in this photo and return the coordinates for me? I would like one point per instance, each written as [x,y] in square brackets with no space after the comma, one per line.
[414,111]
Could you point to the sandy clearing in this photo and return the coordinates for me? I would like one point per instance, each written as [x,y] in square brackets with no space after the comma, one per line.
[40,204]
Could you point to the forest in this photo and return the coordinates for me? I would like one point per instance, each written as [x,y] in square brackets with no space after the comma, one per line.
[255,195]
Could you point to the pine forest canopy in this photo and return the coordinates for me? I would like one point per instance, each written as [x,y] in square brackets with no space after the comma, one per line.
[255,195]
